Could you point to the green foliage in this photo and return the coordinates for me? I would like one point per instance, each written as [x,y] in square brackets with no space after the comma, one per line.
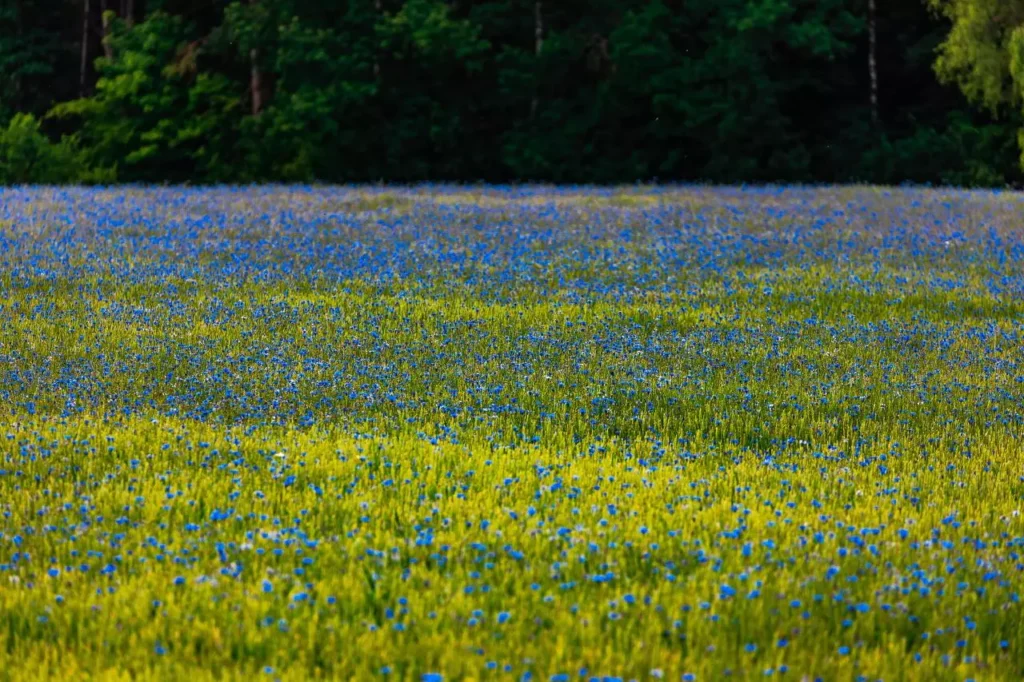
[616,90]
[961,153]
[323,83]
[28,157]
[23,58]
[982,53]
[154,115]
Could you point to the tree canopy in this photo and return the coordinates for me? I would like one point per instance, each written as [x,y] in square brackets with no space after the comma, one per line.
[602,91]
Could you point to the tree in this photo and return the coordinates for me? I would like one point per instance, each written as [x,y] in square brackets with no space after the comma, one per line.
[872,59]
[984,53]
[25,58]
[155,115]
[325,75]
[567,91]
[27,156]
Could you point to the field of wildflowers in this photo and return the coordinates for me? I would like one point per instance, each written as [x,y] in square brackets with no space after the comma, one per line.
[440,433]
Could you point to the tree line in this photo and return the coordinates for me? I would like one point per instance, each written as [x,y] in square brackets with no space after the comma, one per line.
[596,91]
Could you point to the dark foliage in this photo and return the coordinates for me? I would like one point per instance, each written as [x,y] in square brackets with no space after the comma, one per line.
[500,90]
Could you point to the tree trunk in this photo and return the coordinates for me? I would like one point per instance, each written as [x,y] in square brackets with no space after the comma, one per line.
[84,65]
[128,12]
[108,49]
[255,78]
[872,62]
[378,8]
[538,45]
[255,82]
[19,28]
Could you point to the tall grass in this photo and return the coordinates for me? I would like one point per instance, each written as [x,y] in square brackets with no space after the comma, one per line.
[679,433]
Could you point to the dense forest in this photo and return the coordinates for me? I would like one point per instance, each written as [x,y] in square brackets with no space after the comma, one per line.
[601,91]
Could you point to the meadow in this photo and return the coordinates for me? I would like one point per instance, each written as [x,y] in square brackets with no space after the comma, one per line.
[511,433]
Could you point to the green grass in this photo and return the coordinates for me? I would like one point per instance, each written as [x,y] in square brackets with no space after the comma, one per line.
[578,430]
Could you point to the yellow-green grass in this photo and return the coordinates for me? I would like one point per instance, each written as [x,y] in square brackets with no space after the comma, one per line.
[484,442]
